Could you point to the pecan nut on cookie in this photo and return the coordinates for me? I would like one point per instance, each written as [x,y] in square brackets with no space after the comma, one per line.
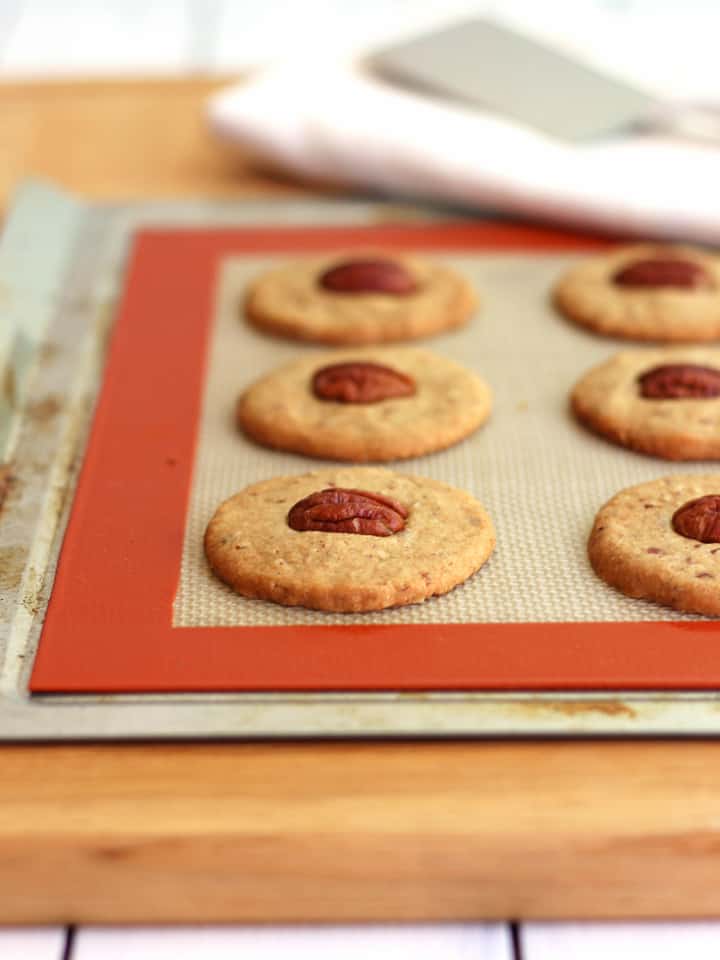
[357,298]
[661,541]
[663,402]
[645,292]
[348,540]
[371,404]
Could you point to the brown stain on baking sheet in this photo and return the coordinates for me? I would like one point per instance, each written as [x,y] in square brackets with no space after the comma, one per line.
[568,708]
[44,410]
[7,479]
[48,351]
[9,387]
[578,708]
[12,565]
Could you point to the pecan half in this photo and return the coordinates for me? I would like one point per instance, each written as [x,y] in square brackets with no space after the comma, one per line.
[673,381]
[663,272]
[369,276]
[699,519]
[338,510]
[361,382]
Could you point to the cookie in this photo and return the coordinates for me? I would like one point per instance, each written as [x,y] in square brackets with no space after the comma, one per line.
[645,292]
[357,298]
[664,402]
[656,541]
[413,538]
[369,404]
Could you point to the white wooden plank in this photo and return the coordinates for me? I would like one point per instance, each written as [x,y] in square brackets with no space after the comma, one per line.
[48,38]
[82,36]
[20,943]
[386,942]
[255,32]
[620,941]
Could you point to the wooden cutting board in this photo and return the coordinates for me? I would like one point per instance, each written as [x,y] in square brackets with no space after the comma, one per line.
[231,832]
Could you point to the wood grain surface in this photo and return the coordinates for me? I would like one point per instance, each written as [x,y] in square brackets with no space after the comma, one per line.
[122,140]
[403,831]
[272,831]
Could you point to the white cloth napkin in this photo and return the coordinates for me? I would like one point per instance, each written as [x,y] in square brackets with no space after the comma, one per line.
[332,121]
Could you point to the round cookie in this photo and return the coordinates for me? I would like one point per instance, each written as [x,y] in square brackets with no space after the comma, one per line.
[281,409]
[635,548]
[609,400]
[590,294]
[447,537]
[290,301]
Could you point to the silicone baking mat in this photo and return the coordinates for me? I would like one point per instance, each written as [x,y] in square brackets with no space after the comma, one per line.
[163,439]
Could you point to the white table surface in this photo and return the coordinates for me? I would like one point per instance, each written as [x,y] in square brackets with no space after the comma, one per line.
[492,941]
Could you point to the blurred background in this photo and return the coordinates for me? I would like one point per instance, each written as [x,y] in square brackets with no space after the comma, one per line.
[296,103]
[669,45]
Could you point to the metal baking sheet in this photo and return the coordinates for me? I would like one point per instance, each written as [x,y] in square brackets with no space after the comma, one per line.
[57,298]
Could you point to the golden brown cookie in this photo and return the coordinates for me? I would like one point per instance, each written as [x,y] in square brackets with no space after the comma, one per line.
[645,292]
[657,542]
[365,404]
[420,539]
[359,298]
[664,402]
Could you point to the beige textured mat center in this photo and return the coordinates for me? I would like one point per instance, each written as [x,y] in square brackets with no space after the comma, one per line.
[541,476]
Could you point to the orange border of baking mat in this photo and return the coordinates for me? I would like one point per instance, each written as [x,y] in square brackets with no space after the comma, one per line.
[108,625]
